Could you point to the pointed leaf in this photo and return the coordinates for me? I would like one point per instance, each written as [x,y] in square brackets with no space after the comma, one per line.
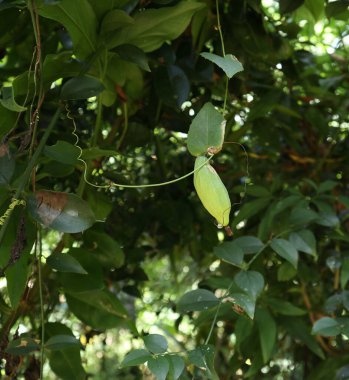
[249,244]
[8,100]
[267,332]
[197,300]
[250,282]
[63,152]
[22,346]
[246,302]
[304,241]
[231,252]
[155,343]
[286,250]
[206,131]
[136,357]
[176,366]
[229,64]
[61,342]
[159,366]
[63,262]
[82,87]
[326,327]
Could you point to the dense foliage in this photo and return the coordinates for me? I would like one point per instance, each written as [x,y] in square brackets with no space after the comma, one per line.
[106,281]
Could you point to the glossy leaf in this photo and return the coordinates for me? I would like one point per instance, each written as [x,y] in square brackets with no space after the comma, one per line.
[326,327]
[61,342]
[267,332]
[197,300]
[8,101]
[136,357]
[250,282]
[82,26]
[206,131]
[22,346]
[249,244]
[177,365]
[231,252]
[63,152]
[153,27]
[246,302]
[60,211]
[304,241]
[159,366]
[155,343]
[229,64]
[133,54]
[81,87]
[286,250]
[65,263]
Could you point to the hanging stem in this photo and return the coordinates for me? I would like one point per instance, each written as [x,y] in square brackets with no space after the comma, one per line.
[219,27]
[38,258]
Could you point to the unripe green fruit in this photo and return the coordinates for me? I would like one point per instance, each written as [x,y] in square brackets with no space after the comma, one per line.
[211,191]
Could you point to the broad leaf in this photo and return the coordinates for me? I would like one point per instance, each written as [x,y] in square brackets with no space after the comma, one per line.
[8,100]
[63,152]
[304,241]
[249,244]
[267,332]
[326,327]
[61,342]
[65,263]
[229,64]
[81,87]
[159,366]
[206,131]
[286,250]
[22,346]
[197,300]
[176,366]
[246,302]
[136,357]
[250,282]
[155,343]
[231,252]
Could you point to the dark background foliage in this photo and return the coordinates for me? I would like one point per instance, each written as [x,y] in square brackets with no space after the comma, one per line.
[127,79]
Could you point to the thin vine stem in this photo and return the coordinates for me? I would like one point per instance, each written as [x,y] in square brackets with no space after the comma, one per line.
[114,184]
[219,27]
[38,258]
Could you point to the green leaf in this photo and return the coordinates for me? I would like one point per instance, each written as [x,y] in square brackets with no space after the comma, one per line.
[250,209]
[249,244]
[206,131]
[229,64]
[79,19]
[60,211]
[155,343]
[22,346]
[250,282]
[245,301]
[304,241]
[326,327]
[286,272]
[114,20]
[287,6]
[300,331]
[82,87]
[133,54]
[176,366]
[286,250]
[231,252]
[63,152]
[61,342]
[159,366]
[63,262]
[345,272]
[328,219]
[197,300]
[302,216]
[153,27]
[267,332]
[7,120]
[136,357]
[107,250]
[285,307]
[203,358]
[94,152]
[8,100]
[338,9]
[7,164]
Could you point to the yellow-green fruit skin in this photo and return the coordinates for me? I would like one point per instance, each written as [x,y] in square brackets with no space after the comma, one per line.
[211,191]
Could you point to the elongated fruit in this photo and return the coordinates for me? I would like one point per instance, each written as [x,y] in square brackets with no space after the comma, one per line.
[211,191]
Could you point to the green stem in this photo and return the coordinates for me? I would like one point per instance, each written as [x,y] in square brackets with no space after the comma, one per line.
[27,173]
[219,27]
[122,137]
[113,184]
[41,305]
